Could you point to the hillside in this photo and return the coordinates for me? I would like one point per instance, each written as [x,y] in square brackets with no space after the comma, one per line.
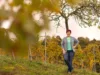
[25,67]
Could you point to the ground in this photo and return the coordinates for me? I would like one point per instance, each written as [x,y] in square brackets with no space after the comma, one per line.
[26,67]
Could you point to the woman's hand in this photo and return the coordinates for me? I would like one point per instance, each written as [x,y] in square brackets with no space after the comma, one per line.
[64,51]
[74,47]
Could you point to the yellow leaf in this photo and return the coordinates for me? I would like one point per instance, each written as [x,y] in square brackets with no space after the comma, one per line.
[51,5]
[73,2]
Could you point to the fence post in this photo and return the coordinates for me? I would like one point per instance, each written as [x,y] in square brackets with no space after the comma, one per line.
[30,53]
[45,47]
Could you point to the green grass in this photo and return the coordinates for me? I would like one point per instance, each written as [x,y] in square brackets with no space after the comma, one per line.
[25,67]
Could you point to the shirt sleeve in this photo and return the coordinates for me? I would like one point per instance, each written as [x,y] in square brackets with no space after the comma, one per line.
[76,41]
[62,43]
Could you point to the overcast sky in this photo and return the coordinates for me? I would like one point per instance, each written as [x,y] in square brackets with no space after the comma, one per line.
[77,31]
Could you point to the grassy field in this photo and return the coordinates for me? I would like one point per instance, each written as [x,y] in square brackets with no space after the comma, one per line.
[25,67]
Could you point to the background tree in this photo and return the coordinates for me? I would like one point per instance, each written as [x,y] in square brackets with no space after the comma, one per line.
[83,41]
[86,13]
[53,50]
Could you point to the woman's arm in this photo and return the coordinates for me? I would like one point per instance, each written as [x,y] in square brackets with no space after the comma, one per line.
[76,42]
[62,45]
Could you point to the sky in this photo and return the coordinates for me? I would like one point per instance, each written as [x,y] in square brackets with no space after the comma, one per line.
[77,31]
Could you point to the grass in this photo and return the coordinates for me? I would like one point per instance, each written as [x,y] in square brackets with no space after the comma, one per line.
[25,67]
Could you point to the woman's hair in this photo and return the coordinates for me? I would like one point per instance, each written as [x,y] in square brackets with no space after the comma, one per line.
[68,31]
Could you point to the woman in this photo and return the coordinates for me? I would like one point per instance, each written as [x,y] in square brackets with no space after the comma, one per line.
[69,44]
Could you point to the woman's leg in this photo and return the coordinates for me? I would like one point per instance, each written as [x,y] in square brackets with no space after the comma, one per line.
[67,60]
[71,55]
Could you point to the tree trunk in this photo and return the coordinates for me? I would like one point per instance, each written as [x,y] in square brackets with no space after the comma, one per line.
[66,23]
[66,20]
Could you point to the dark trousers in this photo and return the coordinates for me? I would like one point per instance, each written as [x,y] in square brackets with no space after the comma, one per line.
[68,57]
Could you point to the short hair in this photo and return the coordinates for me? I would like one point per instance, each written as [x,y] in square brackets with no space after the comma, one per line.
[68,31]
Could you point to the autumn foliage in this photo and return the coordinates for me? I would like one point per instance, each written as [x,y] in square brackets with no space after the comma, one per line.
[86,57]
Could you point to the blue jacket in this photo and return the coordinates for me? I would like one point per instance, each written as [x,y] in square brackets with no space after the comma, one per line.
[64,42]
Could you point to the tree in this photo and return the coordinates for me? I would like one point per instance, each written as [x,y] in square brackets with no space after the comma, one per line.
[53,51]
[87,58]
[24,24]
[59,40]
[83,41]
[86,13]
